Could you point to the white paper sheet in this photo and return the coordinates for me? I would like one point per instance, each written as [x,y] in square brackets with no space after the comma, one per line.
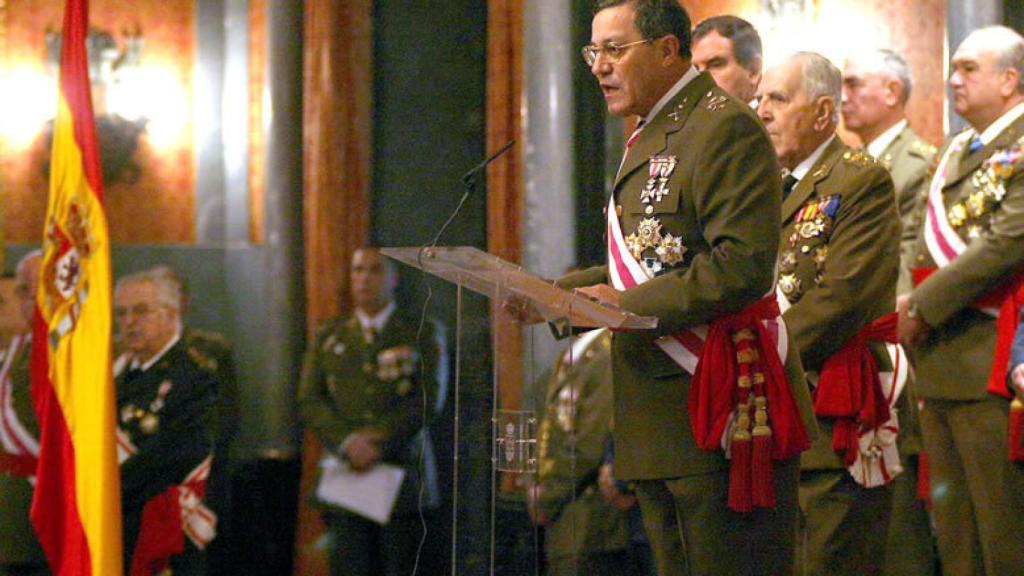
[371,494]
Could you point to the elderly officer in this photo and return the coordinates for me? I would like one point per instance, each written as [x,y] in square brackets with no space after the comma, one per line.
[729,48]
[166,398]
[876,86]
[19,444]
[689,244]
[366,383]
[583,532]
[838,258]
[969,250]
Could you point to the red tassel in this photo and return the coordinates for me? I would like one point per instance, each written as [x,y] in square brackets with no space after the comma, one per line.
[763,491]
[924,487]
[739,476]
[1016,442]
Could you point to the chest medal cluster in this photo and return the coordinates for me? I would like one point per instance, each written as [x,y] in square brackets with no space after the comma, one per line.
[813,220]
[148,418]
[970,215]
[662,250]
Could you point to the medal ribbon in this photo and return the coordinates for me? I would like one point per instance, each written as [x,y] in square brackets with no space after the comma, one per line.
[942,241]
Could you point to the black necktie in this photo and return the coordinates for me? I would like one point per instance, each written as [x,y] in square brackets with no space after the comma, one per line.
[788,183]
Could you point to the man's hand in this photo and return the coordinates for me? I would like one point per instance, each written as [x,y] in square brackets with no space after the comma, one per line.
[603,293]
[521,310]
[537,516]
[610,491]
[912,328]
[1017,381]
[363,449]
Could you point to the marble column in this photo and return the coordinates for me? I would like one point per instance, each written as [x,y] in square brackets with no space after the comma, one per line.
[549,231]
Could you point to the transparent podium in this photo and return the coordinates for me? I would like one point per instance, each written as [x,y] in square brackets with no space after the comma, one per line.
[513,431]
[501,281]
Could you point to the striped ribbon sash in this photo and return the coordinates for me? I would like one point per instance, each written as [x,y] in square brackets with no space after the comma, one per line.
[20,447]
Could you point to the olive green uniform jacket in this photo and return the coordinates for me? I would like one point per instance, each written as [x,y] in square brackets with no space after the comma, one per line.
[954,363]
[725,183]
[349,385]
[577,421]
[838,259]
[909,160]
[18,543]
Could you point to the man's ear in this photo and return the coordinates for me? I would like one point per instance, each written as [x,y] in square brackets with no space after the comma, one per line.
[1011,82]
[824,112]
[668,47]
[893,92]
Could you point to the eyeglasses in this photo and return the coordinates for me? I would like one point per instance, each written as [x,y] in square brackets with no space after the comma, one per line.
[612,50]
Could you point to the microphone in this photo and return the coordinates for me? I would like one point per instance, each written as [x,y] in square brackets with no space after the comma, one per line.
[469,181]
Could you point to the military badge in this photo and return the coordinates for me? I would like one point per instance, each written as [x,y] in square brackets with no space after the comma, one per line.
[787,262]
[128,413]
[339,348]
[716,103]
[395,363]
[660,169]
[790,286]
[404,386]
[670,251]
[647,235]
[149,424]
[989,183]
[820,256]
[565,408]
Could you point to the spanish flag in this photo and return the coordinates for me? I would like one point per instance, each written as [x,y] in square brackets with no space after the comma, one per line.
[77,505]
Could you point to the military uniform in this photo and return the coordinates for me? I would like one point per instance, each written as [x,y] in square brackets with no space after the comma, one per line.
[168,413]
[911,547]
[838,260]
[585,533]
[215,355]
[909,159]
[980,194]
[351,383]
[19,549]
[701,227]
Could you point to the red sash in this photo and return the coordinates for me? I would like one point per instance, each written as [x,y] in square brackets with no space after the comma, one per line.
[1008,299]
[850,391]
[170,516]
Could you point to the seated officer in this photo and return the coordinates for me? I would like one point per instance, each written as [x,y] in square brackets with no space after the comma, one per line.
[582,531]
[166,397]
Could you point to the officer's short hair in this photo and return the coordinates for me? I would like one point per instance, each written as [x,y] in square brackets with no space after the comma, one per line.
[746,42]
[890,64]
[32,255]
[1008,46]
[657,18]
[168,290]
[821,78]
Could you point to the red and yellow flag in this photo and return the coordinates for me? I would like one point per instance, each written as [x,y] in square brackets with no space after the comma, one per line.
[77,505]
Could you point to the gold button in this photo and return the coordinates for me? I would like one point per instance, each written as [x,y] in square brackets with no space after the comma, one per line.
[367,368]
[649,209]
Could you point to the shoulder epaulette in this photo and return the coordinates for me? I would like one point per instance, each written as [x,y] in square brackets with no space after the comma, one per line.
[203,360]
[923,148]
[859,158]
[715,102]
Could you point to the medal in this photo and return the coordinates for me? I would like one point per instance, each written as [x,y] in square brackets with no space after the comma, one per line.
[404,386]
[790,286]
[127,413]
[670,251]
[149,424]
[787,262]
